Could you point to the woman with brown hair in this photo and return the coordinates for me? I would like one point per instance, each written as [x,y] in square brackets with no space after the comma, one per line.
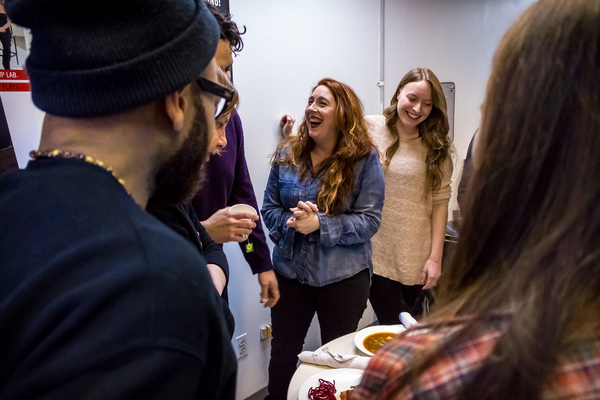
[518,307]
[412,135]
[322,204]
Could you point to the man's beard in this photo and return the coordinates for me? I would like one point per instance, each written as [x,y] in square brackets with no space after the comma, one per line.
[179,178]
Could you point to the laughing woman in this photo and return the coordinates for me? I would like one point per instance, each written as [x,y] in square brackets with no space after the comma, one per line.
[322,205]
[412,135]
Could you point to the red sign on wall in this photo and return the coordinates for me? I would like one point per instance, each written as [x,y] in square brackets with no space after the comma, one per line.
[14,74]
[9,80]
[15,87]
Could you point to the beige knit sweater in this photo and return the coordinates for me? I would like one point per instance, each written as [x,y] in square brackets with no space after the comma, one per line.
[403,243]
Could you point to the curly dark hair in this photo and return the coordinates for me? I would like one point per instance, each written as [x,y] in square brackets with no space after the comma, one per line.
[229,29]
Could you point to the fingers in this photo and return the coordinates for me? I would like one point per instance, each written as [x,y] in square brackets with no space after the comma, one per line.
[431,273]
[239,222]
[269,296]
[307,206]
[291,222]
[304,206]
[286,119]
[304,210]
[223,212]
[300,214]
[312,206]
[238,238]
[285,125]
[295,223]
[273,298]
[243,215]
[269,288]
[429,284]
[423,279]
[241,231]
[429,280]
[226,226]
[283,120]
[264,295]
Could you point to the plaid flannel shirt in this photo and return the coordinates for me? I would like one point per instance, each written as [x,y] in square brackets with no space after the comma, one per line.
[577,377]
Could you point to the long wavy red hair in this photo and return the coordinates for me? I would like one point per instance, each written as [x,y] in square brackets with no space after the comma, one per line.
[354,144]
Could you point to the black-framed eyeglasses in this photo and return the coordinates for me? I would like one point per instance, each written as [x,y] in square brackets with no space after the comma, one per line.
[224,93]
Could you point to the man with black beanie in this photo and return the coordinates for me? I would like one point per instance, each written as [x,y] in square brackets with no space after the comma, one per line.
[98,299]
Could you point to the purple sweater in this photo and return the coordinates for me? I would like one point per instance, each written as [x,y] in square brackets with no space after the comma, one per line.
[227,182]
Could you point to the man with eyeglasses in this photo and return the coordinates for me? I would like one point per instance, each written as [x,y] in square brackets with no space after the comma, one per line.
[98,299]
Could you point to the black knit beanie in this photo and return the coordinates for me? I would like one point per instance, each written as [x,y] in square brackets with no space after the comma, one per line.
[91,58]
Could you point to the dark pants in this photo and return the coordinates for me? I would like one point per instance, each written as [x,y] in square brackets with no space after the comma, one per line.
[389,298]
[5,39]
[339,307]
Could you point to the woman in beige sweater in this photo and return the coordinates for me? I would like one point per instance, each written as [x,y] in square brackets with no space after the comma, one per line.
[412,136]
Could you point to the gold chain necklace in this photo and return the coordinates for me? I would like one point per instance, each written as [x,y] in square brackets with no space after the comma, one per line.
[36,154]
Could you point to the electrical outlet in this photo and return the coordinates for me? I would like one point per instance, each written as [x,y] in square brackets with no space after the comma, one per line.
[241,346]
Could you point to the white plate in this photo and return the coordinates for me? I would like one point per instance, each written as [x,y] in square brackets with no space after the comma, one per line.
[344,379]
[362,334]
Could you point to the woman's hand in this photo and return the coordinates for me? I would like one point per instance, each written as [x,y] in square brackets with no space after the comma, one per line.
[306,225]
[285,126]
[305,219]
[304,209]
[431,273]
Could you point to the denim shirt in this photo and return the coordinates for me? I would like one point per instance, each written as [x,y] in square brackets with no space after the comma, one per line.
[341,247]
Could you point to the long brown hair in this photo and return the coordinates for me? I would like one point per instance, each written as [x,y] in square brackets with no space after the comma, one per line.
[530,235]
[433,131]
[354,144]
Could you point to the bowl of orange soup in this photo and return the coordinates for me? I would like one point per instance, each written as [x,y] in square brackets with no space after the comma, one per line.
[372,338]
